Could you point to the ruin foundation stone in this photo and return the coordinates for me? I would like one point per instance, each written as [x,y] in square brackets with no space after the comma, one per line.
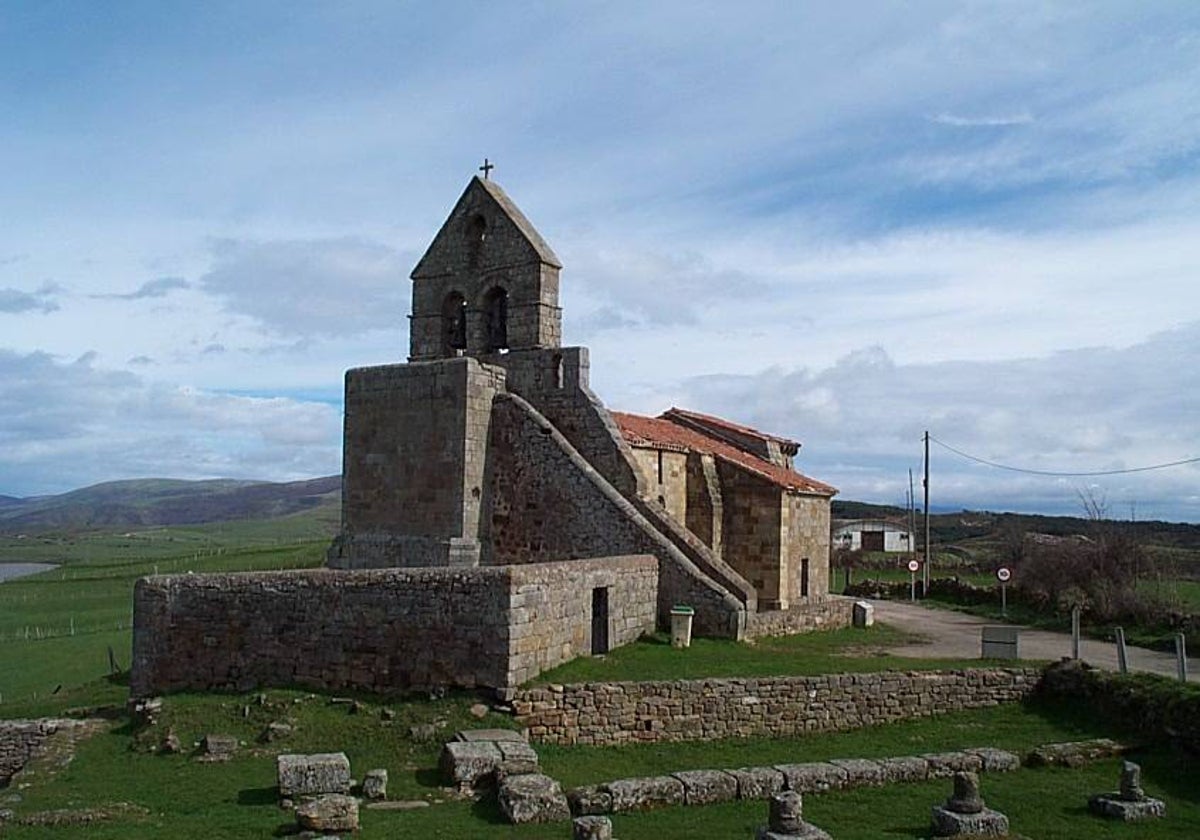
[1130,803]
[964,813]
[785,820]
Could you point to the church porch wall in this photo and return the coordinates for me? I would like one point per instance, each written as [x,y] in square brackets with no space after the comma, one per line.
[666,479]
[807,521]
[551,609]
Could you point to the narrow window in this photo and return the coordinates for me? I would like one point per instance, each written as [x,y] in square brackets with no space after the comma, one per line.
[496,315]
[804,578]
[599,620]
[476,236]
[558,371]
[660,466]
[454,325]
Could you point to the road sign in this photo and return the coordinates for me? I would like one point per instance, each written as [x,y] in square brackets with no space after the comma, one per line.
[1003,574]
[914,566]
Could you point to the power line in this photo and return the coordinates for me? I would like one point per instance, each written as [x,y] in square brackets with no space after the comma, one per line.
[986,462]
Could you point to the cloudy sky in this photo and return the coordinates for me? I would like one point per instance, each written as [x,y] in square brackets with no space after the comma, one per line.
[847,223]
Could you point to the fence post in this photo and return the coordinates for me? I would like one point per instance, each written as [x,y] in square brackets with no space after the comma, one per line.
[1181,656]
[1074,632]
[1122,654]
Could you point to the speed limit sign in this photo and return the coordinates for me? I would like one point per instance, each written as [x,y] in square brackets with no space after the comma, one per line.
[1003,574]
[914,566]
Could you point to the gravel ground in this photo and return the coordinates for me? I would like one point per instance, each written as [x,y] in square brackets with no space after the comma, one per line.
[955,635]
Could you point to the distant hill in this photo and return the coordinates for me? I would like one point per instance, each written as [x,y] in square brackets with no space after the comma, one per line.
[157,501]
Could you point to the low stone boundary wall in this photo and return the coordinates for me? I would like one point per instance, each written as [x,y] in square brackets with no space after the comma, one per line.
[829,614]
[707,787]
[382,630]
[22,741]
[690,710]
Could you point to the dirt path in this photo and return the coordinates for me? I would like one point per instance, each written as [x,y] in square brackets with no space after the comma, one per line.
[955,635]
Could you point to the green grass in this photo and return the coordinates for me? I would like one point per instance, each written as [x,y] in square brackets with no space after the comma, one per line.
[185,798]
[653,658]
[56,627]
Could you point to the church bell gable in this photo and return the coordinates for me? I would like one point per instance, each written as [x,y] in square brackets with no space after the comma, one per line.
[487,284]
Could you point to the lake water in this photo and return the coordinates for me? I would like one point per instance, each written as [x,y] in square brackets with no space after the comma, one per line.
[16,570]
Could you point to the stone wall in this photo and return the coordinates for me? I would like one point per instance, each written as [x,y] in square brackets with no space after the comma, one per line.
[414,454]
[806,537]
[387,630]
[22,741]
[691,710]
[828,614]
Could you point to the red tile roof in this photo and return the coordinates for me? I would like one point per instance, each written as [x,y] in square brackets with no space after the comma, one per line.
[662,433]
[722,423]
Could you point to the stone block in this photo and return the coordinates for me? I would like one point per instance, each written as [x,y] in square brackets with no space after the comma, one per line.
[468,764]
[330,812]
[904,768]
[812,778]
[1073,753]
[312,775]
[516,757]
[758,782]
[945,765]
[532,798]
[591,828]
[648,792]
[860,772]
[704,787]
[489,735]
[997,761]
[985,823]
[218,747]
[1112,806]
[374,784]
[590,800]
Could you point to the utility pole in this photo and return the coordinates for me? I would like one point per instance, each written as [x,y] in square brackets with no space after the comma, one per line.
[912,516]
[928,551]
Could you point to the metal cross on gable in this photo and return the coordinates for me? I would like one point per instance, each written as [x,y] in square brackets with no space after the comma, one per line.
[487,168]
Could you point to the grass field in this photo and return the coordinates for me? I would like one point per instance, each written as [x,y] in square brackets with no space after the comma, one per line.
[176,796]
[56,628]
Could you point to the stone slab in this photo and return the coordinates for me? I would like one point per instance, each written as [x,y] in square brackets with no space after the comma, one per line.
[905,768]
[758,782]
[590,800]
[944,765]
[705,787]
[532,798]
[986,823]
[814,777]
[489,735]
[331,812]
[1111,806]
[860,772]
[997,761]
[648,792]
[313,775]
[468,764]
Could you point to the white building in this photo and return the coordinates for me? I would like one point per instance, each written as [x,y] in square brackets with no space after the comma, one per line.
[872,535]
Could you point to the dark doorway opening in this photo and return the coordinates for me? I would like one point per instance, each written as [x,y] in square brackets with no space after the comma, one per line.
[804,578]
[599,620]
[872,540]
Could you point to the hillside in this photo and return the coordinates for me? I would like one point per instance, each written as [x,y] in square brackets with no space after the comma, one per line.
[158,502]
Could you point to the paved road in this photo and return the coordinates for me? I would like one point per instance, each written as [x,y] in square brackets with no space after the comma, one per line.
[956,635]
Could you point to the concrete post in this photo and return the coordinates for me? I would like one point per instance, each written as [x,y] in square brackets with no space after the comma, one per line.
[1181,656]
[1122,653]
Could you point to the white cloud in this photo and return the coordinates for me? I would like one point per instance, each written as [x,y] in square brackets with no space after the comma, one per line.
[862,419]
[313,287]
[70,424]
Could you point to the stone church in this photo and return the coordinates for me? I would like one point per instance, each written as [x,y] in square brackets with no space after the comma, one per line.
[474,453]
[497,519]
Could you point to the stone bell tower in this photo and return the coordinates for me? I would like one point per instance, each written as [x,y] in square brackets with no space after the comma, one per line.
[487,284]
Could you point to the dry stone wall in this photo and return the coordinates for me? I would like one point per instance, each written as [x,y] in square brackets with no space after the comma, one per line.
[690,710]
[386,630]
[829,614]
[22,741]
